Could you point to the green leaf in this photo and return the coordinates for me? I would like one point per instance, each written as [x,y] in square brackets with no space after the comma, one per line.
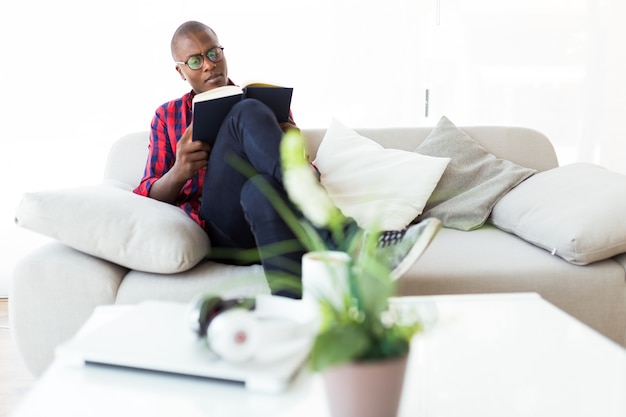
[374,289]
[336,345]
[391,345]
[372,283]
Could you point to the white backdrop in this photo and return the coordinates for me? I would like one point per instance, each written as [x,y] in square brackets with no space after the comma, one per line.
[76,75]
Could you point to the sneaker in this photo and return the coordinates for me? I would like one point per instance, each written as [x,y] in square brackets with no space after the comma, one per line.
[402,248]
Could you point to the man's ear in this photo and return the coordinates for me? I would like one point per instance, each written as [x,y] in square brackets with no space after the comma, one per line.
[180,72]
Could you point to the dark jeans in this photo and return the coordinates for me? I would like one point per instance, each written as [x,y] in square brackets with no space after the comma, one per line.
[241,221]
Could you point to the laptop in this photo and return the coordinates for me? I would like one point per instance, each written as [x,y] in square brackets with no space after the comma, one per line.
[155,336]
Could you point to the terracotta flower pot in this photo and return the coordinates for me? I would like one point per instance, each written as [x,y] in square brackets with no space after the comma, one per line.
[366,389]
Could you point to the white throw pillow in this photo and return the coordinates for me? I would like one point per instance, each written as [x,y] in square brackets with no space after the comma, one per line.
[377,187]
[575,211]
[116,225]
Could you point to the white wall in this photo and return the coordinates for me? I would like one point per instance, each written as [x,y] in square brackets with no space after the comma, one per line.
[76,75]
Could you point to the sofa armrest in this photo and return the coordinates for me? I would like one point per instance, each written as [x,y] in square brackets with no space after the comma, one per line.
[53,291]
[127,159]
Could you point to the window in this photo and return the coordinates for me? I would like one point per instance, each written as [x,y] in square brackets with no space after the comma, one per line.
[72,85]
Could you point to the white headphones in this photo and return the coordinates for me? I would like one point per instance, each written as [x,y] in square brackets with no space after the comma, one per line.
[238,331]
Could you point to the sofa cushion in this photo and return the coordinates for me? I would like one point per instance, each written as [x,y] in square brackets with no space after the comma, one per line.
[574,211]
[473,181]
[378,187]
[116,225]
[229,281]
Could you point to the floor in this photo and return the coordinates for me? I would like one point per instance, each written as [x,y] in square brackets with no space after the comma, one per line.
[15,380]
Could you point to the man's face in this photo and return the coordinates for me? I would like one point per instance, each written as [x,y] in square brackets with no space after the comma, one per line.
[210,74]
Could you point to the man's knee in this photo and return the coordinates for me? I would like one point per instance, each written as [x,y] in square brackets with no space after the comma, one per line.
[251,108]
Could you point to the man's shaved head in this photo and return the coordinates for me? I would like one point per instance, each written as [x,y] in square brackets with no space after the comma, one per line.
[185,29]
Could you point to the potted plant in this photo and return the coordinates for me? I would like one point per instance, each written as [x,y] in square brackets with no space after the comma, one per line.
[361,347]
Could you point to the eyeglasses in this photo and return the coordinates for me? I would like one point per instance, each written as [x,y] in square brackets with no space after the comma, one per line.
[195,62]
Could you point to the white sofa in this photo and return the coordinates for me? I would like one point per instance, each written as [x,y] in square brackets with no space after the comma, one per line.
[55,288]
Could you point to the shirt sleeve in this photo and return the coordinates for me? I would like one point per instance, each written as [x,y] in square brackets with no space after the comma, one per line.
[160,153]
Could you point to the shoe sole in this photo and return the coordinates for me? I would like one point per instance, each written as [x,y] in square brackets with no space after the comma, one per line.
[430,228]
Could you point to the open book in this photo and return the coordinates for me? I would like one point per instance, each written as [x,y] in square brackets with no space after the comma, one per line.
[211,107]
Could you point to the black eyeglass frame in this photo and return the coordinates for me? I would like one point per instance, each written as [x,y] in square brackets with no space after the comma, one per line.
[217,53]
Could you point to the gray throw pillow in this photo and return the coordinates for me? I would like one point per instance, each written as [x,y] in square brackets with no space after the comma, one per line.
[473,181]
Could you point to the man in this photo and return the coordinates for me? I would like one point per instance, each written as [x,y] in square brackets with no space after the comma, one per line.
[236,215]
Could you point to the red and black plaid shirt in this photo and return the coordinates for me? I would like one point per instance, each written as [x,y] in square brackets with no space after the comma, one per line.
[168,125]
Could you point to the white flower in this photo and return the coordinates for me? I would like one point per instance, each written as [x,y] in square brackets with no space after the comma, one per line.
[303,186]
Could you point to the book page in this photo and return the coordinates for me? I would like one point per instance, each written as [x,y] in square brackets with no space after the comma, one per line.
[224,91]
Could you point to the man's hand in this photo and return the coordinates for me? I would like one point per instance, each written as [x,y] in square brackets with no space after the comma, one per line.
[289,124]
[191,156]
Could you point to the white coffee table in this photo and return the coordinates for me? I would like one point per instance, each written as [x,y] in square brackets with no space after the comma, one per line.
[487,355]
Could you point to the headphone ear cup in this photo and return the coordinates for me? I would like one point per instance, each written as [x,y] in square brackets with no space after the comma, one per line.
[234,335]
[203,309]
